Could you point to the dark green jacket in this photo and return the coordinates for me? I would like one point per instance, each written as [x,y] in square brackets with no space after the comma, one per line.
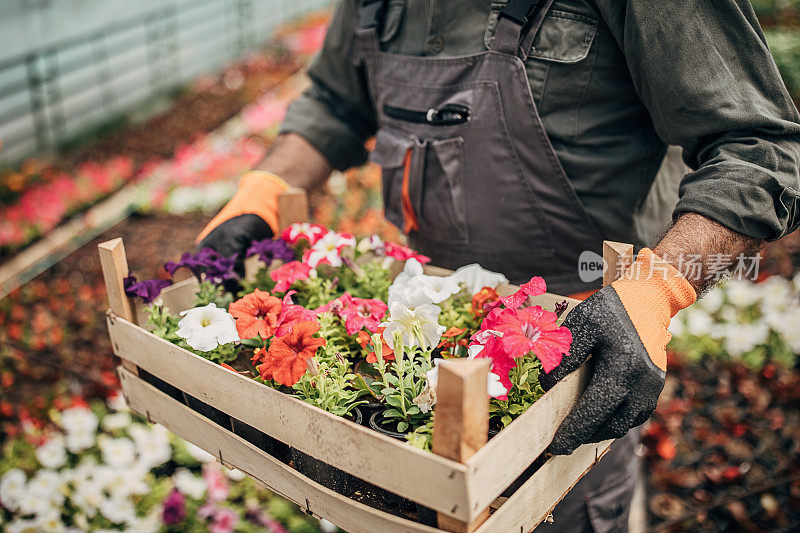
[615,82]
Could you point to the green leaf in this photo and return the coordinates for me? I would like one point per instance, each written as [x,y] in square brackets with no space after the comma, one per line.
[402,426]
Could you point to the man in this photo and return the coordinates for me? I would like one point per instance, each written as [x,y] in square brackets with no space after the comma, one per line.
[519,135]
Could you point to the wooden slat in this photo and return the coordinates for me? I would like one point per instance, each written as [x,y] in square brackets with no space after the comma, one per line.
[292,207]
[532,502]
[434,481]
[616,258]
[506,456]
[115,269]
[235,452]
[180,296]
[461,425]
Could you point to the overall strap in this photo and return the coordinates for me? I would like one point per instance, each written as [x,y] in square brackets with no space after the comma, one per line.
[370,17]
[517,24]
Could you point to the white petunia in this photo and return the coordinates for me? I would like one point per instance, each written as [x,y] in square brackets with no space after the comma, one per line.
[121,482]
[412,288]
[79,420]
[474,278]
[328,249]
[198,453]
[21,526]
[47,484]
[116,421]
[234,474]
[153,446]
[35,504]
[118,452]
[52,453]
[741,293]
[77,441]
[493,386]
[189,484]
[205,328]
[417,327]
[117,403]
[13,486]
[676,325]
[712,300]
[741,338]
[50,523]
[327,527]
[118,510]
[698,322]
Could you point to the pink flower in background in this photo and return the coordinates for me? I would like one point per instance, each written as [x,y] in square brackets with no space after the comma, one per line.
[534,287]
[265,113]
[174,508]
[303,230]
[287,274]
[307,41]
[361,313]
[224,521]
[216,481]
[403,253]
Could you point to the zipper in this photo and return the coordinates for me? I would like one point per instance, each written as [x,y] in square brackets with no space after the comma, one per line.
[447,115]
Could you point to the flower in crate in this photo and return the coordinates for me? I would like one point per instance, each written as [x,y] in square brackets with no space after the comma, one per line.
[417,327]
[535,287]
[216,267]
[269,250]
[303,231]
[531,329]
[147,290]
[474,278]
[287,274]
[205,328]
[359,313]
[287,358]
[328,249]
[413,288]
[365,341]
[256,314]
[403,253]
[481,299]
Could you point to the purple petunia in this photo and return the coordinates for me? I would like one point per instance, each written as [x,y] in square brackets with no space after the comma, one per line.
[214,265]
[269,250]
[147,290]
[174,508]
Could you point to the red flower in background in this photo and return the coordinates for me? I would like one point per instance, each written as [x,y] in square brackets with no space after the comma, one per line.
[485,296]
[287,274]
[303,230]
[403,253]
[287,358]
[256,314]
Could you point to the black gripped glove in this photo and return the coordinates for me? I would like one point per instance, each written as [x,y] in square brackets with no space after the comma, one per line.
[251,215]
[624,328]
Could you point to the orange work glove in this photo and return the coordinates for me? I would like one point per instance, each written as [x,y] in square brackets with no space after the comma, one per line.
[624,327]
[251,215]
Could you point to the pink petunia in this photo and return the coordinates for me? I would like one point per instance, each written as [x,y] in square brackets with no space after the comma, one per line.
[303,230]
[531,330]
[291,314]
[403,253]
[287,274]
[224,521]
[216,482]
[534,287]
[361,313]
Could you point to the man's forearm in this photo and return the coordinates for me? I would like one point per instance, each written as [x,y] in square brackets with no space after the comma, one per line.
[296,160]
[695,246]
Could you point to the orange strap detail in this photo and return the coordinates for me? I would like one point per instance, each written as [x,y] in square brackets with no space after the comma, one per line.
[583,294]
[258,195]
[410,218]
[652,292]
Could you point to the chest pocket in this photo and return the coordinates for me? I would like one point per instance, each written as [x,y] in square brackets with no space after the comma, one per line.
[560,63]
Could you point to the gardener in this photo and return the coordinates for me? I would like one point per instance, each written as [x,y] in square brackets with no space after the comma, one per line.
[519,136]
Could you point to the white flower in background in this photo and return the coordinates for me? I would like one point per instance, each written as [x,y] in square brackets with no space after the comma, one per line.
[741,338]
[20,526]
[78,441]
[121,482]
[13,486]
[412,288]
[46,484]
[474,278]
[234,474]
[327,527]
[116,421]
[79,420]
[88,496]
[50,523]
[117,403]
[153,447]
[775,293]
[328,249]
[493,386]
[35,504]
[118,452]
[417,327]
[52,453]
[676,325]
[729,313]
[712,300]
[118,510]
[198,453]
[205,328]
[796,282]
[373,243]
[189,484]
[741,293]
[698,322]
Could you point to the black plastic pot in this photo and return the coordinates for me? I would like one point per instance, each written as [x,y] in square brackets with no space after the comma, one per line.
[323,473]
[376,423]
[170,390]
[256,437]
[208,411]
[368,409]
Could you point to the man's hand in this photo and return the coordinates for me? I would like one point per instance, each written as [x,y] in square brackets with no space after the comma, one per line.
[252,213]
[624,327]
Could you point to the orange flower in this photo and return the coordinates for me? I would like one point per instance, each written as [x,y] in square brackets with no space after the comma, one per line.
[287,358]
[485,296]
[256,314]
[365,340]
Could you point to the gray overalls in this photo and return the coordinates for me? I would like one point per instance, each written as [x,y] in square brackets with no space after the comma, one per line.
[470,175]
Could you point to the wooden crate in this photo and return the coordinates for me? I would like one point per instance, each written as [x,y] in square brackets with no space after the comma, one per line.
[460,481]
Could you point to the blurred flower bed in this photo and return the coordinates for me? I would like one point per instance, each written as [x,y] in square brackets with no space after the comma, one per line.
[170,149]
[99,467]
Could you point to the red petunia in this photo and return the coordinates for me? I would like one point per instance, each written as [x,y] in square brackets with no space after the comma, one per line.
[531,330]
[287,274]
[291,314]
[287,358]
[256,314]
[403,253]
[486,296]
[534,287]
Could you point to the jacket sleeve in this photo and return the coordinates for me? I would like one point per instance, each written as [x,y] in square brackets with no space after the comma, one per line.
[704,71]
[335,114]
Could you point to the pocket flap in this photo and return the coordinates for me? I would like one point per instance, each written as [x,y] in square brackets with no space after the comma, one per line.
[390,148]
